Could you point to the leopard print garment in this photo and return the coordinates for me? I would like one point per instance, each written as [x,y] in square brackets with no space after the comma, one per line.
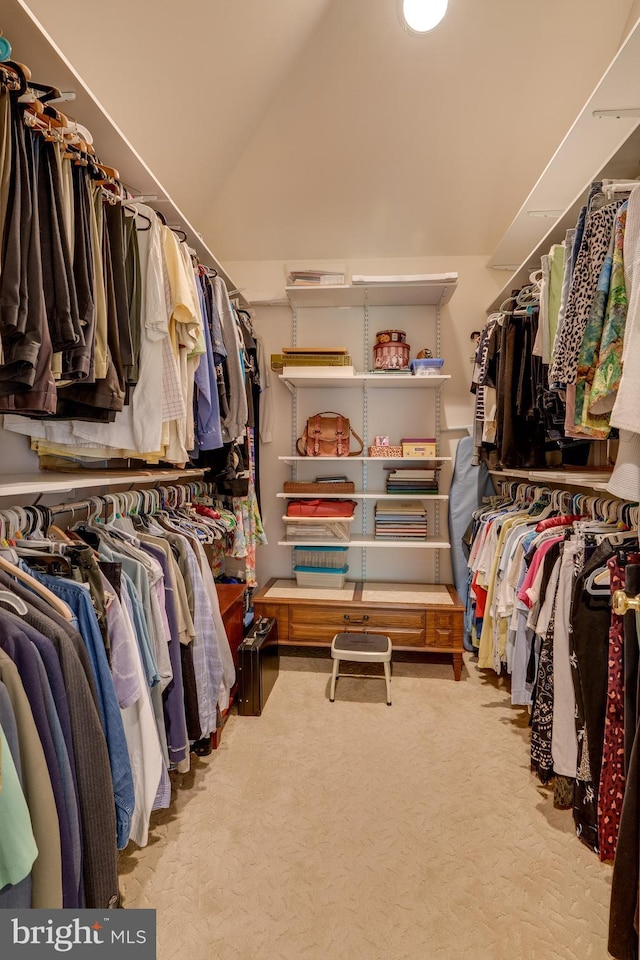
[593,250]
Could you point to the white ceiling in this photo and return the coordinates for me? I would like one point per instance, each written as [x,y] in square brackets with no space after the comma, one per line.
[320,129]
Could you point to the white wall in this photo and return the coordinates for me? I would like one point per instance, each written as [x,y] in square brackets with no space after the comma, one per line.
[265,280]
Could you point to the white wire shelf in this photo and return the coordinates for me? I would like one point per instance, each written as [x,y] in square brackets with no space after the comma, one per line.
[430,543]
[434,293]
[379,380]
[361,495]
[24,484]
[425,461]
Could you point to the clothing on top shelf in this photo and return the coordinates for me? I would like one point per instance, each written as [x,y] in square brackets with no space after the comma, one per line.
[115,342]
[98,704]
[584,306]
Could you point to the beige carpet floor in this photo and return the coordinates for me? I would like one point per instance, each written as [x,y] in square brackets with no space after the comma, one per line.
[358,831]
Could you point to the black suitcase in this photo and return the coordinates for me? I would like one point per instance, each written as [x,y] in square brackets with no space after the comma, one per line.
[258,665]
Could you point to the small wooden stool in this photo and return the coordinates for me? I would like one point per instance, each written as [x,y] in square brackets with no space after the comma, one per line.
[361,648]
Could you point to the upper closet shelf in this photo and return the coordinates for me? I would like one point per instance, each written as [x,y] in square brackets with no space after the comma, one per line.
[588,480]
[45,483]
[424,461]
[35,47]
[435,293]
[603,142]
[386,380]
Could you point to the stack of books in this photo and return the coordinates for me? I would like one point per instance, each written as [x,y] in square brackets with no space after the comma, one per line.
[315,278]
[400,520]
[333,478]
[407,480]
[313,357]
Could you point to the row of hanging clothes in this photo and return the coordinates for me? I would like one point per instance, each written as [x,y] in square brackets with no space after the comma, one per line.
[114,667]
[116,342]
[543,568]
[555,365]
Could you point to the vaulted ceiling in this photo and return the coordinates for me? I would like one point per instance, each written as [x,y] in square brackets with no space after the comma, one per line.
[291,129]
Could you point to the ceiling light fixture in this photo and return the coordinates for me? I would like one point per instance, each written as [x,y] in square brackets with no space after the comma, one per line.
[421,16]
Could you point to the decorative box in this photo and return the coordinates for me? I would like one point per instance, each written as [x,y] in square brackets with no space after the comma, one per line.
[385,451]
[391,356]
[391,336]
[418,448]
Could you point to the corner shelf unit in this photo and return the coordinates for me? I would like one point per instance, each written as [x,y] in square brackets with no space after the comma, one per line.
[368,297]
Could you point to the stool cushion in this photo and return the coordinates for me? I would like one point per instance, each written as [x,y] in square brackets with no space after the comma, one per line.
[361,643]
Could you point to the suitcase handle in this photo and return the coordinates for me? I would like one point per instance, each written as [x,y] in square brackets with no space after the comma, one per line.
[349,620]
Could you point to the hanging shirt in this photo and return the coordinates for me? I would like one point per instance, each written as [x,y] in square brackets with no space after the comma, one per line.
[18,849]
[77,598]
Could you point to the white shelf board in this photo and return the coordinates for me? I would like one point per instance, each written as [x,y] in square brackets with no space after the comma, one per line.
[14,485]
[376,295]
[431,543]
[361,495]
[588,480]
[594,147]
[425,461]
[399,380]
[35,47]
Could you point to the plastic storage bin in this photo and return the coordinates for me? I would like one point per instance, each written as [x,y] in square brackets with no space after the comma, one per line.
[321,577]
[318,528]
[428,367]
[329,558]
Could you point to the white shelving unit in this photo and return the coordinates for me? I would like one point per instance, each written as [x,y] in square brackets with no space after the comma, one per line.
[431,543]
[399,391]
[360,495]
[389,381]
[434,293]
[396,461]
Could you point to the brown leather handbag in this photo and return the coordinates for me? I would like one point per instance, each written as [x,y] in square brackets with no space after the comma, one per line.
[328,434]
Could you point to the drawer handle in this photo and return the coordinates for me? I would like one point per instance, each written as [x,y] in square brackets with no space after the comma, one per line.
[349,620]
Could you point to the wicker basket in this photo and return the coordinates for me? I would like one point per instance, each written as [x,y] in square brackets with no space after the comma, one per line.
[301,486]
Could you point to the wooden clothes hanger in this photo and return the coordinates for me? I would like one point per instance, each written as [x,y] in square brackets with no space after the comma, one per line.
[54,602]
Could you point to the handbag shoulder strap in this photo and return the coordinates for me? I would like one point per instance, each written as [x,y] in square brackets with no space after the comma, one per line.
[356,453]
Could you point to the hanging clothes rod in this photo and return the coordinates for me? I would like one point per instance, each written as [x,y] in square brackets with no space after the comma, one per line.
[160,495]
[620,511]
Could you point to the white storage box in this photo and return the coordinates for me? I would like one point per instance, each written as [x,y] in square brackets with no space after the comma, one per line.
[318,528]
[321,577]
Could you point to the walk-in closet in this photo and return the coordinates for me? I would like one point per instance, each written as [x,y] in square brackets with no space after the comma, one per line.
[320,479]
